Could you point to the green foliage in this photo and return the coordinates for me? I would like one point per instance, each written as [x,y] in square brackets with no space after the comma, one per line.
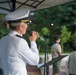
[3,28]
[65,34]
[45,30]
[74,37]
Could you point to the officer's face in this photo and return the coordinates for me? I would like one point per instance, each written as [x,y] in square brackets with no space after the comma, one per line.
[23,28]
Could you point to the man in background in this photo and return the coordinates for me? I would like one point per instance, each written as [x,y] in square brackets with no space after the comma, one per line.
[56,51]
[72,62]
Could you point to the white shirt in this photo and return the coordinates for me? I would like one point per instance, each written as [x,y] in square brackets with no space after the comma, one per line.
[15,54]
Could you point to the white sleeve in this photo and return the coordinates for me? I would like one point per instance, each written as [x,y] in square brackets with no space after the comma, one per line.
[29,55]
[34,46]
[0,64]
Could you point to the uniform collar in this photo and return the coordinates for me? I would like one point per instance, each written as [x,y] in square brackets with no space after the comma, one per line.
[15,33]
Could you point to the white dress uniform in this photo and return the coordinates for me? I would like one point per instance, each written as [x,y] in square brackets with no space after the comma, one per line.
[15,52]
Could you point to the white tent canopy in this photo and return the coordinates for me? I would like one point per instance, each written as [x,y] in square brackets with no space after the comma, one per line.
[7,6]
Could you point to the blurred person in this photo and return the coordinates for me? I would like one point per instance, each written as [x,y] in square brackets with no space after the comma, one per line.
[72,61]
[56,51]
[1,72]
[15,52]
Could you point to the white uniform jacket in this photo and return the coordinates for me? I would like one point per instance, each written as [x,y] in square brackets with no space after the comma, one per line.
[15,54]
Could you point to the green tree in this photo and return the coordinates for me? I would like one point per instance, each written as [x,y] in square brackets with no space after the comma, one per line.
[65,35]
[45,30]
[74,37]
[3,28]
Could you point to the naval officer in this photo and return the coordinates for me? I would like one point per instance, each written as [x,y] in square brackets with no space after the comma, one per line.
[15,52]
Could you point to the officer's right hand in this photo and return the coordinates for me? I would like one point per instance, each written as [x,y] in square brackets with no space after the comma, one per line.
[34,36]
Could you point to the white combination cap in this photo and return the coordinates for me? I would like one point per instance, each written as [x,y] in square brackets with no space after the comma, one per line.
[16,16]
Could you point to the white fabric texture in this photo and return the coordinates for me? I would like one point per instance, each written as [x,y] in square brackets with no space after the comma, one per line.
[18,14]
[15,54]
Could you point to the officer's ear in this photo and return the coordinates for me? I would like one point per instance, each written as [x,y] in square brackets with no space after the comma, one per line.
[20,27]
[7,24]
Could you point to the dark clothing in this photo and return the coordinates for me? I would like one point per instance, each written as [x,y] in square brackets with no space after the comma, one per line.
[72,74]
[1,72]
[56,67]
